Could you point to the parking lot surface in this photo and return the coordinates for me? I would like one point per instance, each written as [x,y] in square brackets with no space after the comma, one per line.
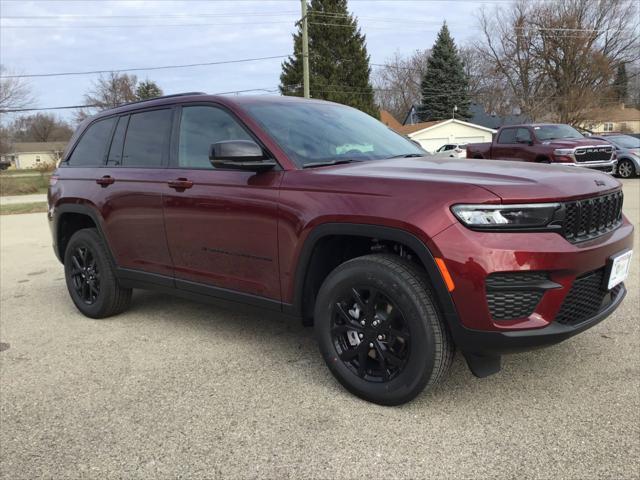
[176,389]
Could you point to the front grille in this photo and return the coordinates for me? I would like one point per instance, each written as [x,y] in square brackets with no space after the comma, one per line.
[586,298]
[513,295]
[589,218]
[593,154]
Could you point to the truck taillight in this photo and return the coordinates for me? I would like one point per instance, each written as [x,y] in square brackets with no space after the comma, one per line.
[53,179]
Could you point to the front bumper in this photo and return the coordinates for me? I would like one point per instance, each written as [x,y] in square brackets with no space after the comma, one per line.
[472,256]
[605,167]
[496,343]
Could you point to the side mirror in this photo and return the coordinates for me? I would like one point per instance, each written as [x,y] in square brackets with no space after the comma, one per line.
[239,155]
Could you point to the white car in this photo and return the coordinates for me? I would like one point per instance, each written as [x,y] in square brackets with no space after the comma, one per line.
[453,150]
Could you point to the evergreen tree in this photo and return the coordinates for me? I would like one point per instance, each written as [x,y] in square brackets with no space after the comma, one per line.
[148,89]
[620,84]
[445,84]
[338,60]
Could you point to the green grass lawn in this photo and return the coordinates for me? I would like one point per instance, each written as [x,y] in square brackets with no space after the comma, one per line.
[17,208]
[12,185]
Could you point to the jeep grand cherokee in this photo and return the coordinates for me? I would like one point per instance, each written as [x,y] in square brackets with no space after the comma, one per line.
[319,211]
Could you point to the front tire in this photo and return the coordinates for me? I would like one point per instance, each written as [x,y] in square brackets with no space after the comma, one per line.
[91,278]
[379,330]
[626,169]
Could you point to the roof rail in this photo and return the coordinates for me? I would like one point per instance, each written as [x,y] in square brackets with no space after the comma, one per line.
[162,97]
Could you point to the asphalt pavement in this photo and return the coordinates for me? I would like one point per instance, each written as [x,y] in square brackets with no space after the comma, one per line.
[176,389]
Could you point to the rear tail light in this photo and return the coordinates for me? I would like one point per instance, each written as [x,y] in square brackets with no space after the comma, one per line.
[53,179]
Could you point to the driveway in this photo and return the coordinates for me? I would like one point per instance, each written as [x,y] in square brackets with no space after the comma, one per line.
[176,389]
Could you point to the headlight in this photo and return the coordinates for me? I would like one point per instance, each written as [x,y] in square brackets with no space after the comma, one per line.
[563,151]
[489,217]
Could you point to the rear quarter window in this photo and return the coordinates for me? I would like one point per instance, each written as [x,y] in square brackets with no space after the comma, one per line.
[92,146]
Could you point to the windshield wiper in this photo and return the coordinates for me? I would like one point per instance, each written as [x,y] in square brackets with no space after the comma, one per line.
[408,155]
[328,162]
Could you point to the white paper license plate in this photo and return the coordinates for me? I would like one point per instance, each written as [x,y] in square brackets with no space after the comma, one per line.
[619,269]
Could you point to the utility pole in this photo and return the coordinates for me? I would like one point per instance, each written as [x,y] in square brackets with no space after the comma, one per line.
[305,50]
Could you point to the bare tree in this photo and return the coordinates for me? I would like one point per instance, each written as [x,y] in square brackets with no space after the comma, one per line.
[41,127]
[111,90]
[559,57]
[486,86]
[507,52]
[14,92]
[397,84]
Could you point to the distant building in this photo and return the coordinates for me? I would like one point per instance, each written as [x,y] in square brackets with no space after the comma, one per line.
[432,135]
[620,119]
[33,154]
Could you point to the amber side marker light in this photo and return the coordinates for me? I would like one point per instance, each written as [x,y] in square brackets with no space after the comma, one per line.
[445,274]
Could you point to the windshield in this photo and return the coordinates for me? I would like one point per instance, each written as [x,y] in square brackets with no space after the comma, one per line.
[555,132]
[314,133]
[624,141]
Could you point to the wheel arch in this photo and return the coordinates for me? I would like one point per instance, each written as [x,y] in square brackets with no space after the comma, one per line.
[68,219]
[425,258]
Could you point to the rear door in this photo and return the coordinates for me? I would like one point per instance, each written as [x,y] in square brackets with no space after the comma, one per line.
[133,182]
[221,224]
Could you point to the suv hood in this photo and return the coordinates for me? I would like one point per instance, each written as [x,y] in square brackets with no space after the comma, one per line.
[511,181]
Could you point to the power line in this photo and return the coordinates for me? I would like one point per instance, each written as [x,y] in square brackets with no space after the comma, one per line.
[163,67]
[175,15]
[144,25]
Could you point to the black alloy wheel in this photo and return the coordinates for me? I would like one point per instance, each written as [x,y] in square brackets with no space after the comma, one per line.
[85,275]
[91,277]
[379,329]
[370,334]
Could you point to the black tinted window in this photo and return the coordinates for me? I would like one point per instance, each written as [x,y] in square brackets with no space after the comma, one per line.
[523,135]
[507,136]
[147,139]
[92,147]
[201,126]
[115,152]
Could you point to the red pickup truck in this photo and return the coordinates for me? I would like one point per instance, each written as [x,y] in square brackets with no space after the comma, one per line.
[547,143]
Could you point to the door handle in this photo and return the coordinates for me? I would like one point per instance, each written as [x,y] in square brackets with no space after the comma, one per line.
[180,184]
[105,181]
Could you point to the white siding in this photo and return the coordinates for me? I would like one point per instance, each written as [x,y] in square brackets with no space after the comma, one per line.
[450,132]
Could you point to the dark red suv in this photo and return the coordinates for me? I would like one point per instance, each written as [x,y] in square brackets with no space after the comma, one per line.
[319,211]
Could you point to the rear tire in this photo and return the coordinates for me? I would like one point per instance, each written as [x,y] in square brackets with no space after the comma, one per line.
[91,278]
[409,348]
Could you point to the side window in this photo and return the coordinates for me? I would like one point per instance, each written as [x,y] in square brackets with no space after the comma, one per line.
[91,149]
[200,126]
[523,135]
[507,136]
[448,147]
[146,140]
[115,152]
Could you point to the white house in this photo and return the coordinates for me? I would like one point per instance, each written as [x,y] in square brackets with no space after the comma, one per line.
[432,135]
[33,154]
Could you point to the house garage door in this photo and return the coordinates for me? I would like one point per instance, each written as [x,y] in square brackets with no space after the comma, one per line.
[465,140]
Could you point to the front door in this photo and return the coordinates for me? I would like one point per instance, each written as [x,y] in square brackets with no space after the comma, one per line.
[221,224]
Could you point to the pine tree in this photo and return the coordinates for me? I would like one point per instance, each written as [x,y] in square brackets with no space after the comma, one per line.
[445,84]
[620,84]
[339,68]
[148,89]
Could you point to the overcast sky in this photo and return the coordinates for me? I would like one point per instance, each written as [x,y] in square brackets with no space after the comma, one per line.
[91,36]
